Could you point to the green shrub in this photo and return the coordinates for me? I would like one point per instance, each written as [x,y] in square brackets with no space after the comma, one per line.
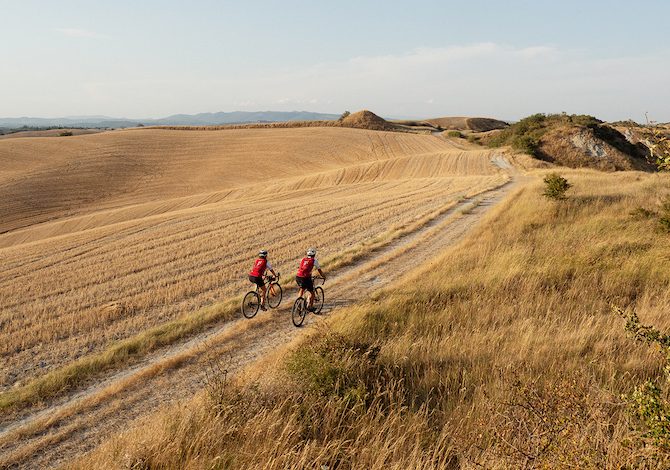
[649,403]
[65,133]
[344,115]
[526,135]
[332,366]
[664,219]
[555,186]
[658,142]
[642,213]
[525,143]
[456,134]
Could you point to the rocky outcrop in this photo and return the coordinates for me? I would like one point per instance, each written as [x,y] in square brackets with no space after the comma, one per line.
[603,148]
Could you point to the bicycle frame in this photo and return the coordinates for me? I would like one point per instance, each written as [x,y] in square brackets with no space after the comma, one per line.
[267,281]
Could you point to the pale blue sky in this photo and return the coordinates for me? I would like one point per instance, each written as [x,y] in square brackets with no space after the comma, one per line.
[499,58]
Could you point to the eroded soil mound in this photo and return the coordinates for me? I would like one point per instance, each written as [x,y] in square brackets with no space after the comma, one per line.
[367,120]
[574,141]
[601,148]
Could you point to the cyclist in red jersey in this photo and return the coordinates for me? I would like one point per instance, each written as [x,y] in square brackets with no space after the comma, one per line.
[304,276]
[257,272]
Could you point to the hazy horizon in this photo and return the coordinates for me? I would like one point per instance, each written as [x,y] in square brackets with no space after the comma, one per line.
[507,60]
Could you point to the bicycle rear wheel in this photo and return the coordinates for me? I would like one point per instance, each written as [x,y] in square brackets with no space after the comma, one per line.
[299,311]
[318,299]
[274,295]
[251,304]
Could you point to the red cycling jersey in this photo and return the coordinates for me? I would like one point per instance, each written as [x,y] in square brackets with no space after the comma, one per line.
[306,266]
[259,267]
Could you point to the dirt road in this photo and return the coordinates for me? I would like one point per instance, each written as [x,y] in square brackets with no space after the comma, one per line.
[80,422]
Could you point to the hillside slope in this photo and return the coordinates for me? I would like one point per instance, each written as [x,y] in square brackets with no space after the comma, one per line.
[42,179]
[574,141]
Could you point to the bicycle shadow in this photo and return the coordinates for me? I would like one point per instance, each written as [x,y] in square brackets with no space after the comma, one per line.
[331,305]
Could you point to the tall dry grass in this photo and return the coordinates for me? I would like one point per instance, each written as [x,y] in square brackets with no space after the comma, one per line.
[503,354]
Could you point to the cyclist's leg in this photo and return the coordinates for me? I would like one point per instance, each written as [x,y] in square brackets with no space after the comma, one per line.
[264,291]
[311,298]
[301,292]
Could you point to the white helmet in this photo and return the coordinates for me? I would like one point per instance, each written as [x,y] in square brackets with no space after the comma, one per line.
[311,252]
[263,253]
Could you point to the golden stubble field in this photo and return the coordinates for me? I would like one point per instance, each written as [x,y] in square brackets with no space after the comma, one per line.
[105,235]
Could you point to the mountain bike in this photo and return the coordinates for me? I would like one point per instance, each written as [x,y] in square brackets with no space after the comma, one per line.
[252,299]
[299,310]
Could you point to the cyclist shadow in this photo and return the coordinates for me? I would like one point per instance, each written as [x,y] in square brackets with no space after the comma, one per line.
[331,305]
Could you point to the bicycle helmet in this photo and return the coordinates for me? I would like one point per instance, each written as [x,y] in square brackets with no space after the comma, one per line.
[263,253]
[311,252]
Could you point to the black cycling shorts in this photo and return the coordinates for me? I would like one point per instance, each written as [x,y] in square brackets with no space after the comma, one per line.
[257,280]
[305,283]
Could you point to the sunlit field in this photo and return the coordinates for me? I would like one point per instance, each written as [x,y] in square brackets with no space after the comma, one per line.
[117,232]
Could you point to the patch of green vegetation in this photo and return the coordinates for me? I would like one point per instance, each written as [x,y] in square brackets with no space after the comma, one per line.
[648,403]
[662,216]
[525,135]
[555,186]
[664,219]
[455,134]
[641,213]
[333,366]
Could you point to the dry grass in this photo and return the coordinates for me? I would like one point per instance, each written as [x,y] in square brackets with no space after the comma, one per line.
[121,353]
[48,133]
[475,124]
[80,292]
[508,356]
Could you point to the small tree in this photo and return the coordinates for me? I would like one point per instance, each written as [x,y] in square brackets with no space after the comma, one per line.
[555,186]
[344,115]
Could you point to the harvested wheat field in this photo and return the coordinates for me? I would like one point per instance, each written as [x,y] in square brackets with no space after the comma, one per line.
[118,232]
[509,356]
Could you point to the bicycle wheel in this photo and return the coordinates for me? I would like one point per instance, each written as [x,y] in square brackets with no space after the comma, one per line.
[251,304]
[318,300]
[299,311]
[274,295]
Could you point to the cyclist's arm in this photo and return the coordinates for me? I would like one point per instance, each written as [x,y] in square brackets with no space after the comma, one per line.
[269,267]
[318,268]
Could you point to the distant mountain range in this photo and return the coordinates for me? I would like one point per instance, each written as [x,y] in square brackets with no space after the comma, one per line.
[202,119]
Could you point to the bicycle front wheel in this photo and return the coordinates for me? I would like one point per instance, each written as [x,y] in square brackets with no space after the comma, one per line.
[251,304]
[299,311]
[274,295]
[318,300]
